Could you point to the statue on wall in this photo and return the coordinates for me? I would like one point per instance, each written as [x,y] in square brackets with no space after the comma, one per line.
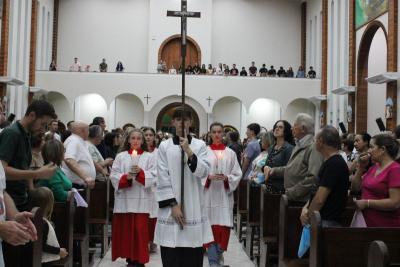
[389,108]
[349,113]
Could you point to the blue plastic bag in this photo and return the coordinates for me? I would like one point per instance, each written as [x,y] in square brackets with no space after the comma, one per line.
[260,178]
[305,241]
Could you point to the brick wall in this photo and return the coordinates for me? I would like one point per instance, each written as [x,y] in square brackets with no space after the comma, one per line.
[303,33]
[55,31]
[324,69]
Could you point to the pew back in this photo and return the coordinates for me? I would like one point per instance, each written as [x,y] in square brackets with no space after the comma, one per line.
[269,215]
[99,196]
[346,246]
[290,229]
[253,202]
[34,249]
[63,219]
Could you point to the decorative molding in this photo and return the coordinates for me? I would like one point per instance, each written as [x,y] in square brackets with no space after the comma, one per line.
[55,31]
[33,43]
[391,87]
[352,63]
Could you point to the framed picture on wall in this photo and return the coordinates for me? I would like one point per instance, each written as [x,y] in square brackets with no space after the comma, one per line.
[367,10]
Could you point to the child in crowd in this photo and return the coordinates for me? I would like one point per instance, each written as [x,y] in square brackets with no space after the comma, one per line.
[43,198]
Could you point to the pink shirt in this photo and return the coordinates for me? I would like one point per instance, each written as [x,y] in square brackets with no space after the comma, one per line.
[377,187]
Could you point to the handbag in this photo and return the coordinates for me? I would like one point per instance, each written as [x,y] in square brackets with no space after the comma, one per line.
[305,241]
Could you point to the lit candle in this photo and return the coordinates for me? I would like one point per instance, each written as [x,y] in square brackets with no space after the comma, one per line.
[134,157]
[220,157]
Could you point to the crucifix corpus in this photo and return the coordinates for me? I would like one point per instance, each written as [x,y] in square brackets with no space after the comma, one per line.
[183,14]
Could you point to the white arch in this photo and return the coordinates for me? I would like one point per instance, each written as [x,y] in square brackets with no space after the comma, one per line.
[88,106]
[126,107]
[265,112]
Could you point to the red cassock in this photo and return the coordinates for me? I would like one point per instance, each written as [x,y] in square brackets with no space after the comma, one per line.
[152,228]
[221,236]
[130,236]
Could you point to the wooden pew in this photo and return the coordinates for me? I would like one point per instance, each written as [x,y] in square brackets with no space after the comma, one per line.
[81,232]
[99,214]
[241,209]
[290,230]
[29,255]
[269,226]
[346,246]
[253,218]
[378,255]
[63,219]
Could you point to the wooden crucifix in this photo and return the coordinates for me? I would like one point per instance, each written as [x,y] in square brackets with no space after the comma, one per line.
[183,14]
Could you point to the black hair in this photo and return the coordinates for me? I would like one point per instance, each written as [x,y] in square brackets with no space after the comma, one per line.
[41,108]
[366,137]
[179,112]
[216,124]
[98,120]
[126,125]
[147,128]
[348,141]
[287,131]
[109,139]
[255,127]
[37,139]
[389,143]
[397,132]
[234,136]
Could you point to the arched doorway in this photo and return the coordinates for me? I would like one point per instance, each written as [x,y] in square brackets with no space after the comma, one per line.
[164,119]
[170,52]
[361,104]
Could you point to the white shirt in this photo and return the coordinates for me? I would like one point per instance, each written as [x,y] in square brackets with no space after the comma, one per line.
[75,67]
[153,190]
[197,230]
[218,199]
[76,148]
[136,198]
[55,135]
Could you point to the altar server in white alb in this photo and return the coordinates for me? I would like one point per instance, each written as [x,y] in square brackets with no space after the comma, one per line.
[182,235]
[132,174]
[150,136]
[224,177]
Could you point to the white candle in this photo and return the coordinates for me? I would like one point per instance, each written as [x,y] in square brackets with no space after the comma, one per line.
[220,158]
[135,157]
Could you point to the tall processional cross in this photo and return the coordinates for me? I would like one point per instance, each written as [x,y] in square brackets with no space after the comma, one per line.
[183,14]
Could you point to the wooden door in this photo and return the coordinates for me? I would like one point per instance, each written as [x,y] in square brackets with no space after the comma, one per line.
[171,53]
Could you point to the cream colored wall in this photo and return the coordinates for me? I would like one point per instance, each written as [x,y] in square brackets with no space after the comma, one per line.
[228,111]
[128,108]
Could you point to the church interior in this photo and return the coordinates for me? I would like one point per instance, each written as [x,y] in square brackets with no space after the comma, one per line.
[336,61]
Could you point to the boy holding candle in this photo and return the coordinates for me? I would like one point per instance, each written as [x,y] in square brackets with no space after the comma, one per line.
[132,174]
[224,177]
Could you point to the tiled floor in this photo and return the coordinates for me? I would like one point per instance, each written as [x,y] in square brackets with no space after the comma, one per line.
[234,257]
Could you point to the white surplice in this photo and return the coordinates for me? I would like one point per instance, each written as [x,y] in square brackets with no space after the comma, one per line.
[218,199]
[135,199]
[197,230]
[152,191]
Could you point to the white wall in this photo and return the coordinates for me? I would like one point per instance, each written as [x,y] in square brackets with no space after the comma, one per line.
[89,106]
[313,35]
[265,112]
[299,106]
[96,29]
[161,27]
[376,92]
[133,30]
[128,109]
[266,31]
[228,111]
[44,38]
[62,106]
[18,54]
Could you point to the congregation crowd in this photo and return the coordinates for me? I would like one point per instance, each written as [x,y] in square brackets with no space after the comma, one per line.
[43,159]
[196,69]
